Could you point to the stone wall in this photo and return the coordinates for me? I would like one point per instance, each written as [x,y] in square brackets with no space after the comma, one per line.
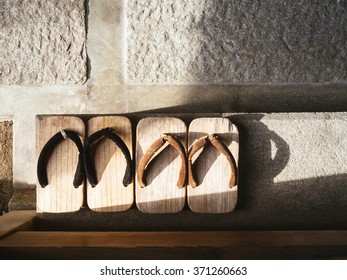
[42,42]
[6,146]
[209,41]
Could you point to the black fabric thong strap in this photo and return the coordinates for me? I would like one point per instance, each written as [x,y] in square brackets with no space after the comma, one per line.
[88,162]
[47,150]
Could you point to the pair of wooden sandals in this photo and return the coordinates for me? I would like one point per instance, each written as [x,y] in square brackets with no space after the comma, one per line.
[167,173]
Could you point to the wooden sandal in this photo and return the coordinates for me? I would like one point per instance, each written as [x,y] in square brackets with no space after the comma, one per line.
[212,165]
[60,170]
[108,164]
[161,165]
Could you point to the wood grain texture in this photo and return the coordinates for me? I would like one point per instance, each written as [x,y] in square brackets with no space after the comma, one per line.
[109,195]
[59,195]
[211,168]
[161,194]
[212,239]
[14,221]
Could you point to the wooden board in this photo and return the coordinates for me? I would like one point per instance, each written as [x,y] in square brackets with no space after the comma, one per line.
[14,221]
[59,195]
[211,168]
[161,194]
[213,239]
[175,245]
[30,244]
[109,195]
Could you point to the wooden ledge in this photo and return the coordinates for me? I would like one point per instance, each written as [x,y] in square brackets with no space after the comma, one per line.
[16,220]
[212,239]
[18,240]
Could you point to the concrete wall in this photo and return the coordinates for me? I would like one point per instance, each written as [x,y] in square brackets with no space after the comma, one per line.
[139,57]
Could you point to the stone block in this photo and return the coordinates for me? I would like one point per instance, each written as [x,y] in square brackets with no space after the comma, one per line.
[42,42]
[6,146]
[235,41]
[23,199]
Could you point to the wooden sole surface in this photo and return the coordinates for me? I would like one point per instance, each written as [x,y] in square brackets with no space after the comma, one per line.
[59,195]
[109,195]
[161,194]
[211,168]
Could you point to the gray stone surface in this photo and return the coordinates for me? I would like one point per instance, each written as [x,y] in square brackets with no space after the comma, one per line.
[42,42]
[235,41]
[6,146]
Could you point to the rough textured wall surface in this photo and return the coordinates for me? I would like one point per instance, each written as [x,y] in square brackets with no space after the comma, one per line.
[235,41]
[42,42]
[6,141]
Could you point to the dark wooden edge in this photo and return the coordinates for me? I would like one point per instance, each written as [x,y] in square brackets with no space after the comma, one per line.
[19,240]
[15,221]
[212,239]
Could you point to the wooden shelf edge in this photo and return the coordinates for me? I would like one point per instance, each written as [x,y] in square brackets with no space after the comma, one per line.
[211,239]
[16,221]
[19,240]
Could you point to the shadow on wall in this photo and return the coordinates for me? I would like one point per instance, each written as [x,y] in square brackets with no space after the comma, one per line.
[251,99]
[272,57]
[268,42]
[258,167]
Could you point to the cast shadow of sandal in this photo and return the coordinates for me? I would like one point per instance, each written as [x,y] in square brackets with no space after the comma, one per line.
[161,160]
[257,142]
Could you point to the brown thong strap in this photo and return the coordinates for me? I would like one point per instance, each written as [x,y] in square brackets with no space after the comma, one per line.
[220,146]
[153,149]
